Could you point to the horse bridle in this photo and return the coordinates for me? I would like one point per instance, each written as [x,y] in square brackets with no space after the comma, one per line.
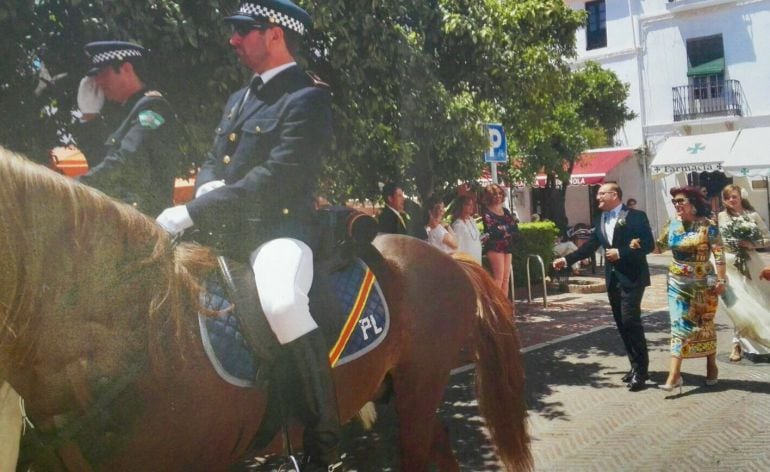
[61,442]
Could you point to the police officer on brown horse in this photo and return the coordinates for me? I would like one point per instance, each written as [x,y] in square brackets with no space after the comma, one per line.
[255,191]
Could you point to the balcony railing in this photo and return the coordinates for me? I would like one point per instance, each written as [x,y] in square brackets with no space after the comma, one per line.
[709,99]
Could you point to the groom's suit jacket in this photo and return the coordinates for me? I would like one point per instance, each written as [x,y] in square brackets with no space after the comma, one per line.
[631,270]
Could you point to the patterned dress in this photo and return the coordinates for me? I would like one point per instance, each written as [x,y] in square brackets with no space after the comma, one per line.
[500,229]
[692,301]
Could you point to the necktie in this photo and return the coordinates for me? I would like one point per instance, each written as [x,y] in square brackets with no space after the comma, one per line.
[254,86]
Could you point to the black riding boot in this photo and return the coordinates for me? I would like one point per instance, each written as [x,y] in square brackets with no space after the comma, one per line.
[322,425]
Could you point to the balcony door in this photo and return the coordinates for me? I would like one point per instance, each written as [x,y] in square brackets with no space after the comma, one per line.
[706,73]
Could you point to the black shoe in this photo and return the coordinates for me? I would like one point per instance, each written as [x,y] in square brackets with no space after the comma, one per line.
[319,402]
[637,382]
[627,378]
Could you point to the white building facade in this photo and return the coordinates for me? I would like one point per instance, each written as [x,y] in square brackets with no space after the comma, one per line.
[695,68]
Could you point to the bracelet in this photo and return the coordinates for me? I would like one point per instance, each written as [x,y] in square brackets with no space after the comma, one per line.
[722,281]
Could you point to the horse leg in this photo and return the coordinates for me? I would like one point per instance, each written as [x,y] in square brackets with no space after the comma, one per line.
[421,437]
[10,427]
[443,456]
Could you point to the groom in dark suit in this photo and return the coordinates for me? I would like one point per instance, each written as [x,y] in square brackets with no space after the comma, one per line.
[626,237]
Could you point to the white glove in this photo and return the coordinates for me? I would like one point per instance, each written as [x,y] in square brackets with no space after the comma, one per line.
[208,187]
[175,220]
[90,96]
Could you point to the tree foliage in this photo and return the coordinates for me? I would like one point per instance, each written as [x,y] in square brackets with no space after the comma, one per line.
[412,81]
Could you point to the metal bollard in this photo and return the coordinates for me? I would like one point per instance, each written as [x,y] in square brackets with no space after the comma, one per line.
[542,273]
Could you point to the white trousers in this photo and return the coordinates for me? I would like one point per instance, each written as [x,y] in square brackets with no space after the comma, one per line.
[283,269]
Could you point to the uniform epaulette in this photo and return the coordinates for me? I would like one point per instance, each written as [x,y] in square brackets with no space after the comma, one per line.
[152,93]
[316,80]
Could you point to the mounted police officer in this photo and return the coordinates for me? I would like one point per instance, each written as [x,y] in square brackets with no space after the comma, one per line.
[255,192]
[134,164]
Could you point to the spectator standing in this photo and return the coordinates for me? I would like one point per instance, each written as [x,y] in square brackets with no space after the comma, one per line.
[439,233]
[500,226]
[392,219]
[464,226]
[631,203]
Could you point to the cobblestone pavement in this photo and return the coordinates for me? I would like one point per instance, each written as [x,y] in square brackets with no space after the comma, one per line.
[584,419]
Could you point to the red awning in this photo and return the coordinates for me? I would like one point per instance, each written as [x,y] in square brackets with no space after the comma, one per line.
[593,166]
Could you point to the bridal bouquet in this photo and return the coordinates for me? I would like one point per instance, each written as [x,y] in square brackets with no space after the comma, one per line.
[741,228]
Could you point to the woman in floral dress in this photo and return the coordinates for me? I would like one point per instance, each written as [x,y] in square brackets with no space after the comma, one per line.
[747,302]
[693,283]
[500,225]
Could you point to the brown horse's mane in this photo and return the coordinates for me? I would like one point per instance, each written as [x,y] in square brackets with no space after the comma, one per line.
[71,253]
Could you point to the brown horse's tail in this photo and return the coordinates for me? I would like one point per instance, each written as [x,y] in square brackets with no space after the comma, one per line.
[499,370]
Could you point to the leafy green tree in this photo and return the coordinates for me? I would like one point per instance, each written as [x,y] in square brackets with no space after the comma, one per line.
[592,111]
[412,81]
[190,61]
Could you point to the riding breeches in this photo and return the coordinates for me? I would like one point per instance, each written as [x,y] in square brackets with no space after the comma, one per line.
[283,269]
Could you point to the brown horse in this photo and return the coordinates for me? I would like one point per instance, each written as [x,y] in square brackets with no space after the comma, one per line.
[98,329]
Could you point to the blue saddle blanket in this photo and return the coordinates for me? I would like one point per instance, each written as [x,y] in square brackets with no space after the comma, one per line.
[365,326]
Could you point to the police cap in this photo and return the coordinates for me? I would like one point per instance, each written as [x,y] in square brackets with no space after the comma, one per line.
[104,53]
[283,13]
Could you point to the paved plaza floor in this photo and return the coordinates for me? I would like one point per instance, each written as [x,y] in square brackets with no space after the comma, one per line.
[584,419]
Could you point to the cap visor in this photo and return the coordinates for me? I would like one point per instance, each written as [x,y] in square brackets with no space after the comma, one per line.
[93,71]
[239,19]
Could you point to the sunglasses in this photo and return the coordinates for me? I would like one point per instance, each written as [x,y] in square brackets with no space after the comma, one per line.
[679,201]
[243,29]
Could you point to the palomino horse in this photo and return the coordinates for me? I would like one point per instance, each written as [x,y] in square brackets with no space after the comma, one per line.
[98,329]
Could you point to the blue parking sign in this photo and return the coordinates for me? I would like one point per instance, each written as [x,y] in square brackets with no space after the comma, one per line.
[498,147]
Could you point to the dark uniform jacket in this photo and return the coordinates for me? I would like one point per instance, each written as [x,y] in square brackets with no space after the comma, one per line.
[140,156]
[270,158]
[631,269]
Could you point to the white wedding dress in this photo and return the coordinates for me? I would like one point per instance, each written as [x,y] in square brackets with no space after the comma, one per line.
[747,302]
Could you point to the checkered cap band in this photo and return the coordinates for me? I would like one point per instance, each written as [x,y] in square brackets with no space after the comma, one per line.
[115,55]
[276,17]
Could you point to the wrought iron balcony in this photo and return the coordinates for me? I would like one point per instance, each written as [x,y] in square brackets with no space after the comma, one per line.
[708,98]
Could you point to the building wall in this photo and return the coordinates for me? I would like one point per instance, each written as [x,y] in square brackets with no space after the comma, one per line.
[745,30]
[646,48]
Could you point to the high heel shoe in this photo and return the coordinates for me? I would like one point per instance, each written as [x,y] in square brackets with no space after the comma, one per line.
[668,388]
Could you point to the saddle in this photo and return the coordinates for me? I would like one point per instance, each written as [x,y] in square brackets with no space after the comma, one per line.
[344,235]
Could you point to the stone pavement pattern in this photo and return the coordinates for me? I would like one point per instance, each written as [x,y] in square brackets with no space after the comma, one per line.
[583,418]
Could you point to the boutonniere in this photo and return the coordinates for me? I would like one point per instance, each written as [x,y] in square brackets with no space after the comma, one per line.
[621,222]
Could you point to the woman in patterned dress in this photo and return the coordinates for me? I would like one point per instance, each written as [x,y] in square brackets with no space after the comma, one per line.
[694,284]
[500,225]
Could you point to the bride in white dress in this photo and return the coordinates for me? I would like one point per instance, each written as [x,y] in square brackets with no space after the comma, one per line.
[747,302]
